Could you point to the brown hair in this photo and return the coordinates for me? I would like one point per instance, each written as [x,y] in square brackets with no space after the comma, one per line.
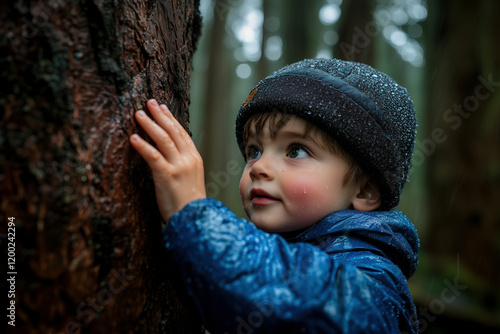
[276,121]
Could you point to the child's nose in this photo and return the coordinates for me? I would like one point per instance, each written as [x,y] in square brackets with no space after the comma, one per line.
[262,168]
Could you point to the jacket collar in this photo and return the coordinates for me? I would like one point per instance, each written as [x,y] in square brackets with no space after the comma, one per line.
[388,233]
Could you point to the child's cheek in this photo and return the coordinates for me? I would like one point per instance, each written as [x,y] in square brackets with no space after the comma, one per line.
[301,192]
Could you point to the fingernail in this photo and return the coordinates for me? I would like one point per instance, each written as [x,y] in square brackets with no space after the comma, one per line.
[134,137]
[165,108]
[154,103]
[141,113]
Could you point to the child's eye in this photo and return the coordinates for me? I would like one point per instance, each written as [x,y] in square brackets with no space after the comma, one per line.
[296,152]
[253,152]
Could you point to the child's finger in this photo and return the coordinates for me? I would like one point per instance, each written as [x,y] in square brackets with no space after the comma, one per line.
[169,123]
[162,139]
[179,135]
[148,153]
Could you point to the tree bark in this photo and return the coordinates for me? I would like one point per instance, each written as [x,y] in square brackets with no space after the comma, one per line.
[88,254]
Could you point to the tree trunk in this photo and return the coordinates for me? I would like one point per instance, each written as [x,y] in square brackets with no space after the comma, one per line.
[88,256]
[355,32]
[299,29]
[217,82]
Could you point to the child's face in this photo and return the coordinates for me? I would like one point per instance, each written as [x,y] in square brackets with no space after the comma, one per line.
[291,181]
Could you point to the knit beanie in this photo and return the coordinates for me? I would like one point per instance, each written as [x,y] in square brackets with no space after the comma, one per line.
[364,110]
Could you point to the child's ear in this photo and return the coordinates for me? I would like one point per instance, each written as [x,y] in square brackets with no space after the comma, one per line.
[368,197]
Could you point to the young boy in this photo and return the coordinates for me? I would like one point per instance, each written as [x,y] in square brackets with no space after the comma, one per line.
[328,146]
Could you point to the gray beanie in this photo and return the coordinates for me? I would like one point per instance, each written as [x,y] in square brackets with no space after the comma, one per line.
[367,112]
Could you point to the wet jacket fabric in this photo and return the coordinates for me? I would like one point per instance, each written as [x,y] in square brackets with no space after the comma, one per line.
[345,274]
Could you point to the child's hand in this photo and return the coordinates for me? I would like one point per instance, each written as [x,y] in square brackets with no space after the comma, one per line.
[177,167]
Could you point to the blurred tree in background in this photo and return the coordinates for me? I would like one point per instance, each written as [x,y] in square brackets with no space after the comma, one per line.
[461,149]
[447,55]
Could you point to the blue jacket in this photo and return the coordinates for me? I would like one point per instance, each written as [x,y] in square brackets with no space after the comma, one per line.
[345,274]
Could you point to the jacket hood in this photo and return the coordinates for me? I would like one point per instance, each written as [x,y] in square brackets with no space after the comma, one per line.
[388,233]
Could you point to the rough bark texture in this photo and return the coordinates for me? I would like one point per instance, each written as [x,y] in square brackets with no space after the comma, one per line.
[88,257]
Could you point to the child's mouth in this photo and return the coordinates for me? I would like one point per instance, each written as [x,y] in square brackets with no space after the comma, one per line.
[261,197]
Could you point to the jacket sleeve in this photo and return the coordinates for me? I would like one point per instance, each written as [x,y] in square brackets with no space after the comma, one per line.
[244,280]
